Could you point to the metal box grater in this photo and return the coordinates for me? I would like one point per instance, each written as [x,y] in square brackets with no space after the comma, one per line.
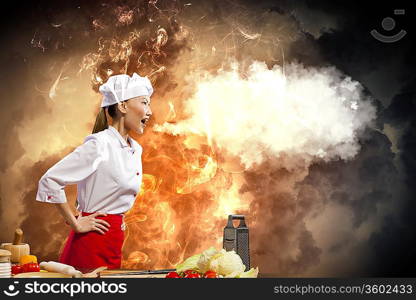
[237,239]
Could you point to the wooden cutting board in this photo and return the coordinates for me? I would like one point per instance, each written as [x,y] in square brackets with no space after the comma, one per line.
[41,275]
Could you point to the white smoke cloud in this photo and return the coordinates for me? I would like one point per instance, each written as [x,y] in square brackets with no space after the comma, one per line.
[317,113]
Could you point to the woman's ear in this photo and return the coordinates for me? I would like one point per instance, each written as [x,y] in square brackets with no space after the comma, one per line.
[122,107]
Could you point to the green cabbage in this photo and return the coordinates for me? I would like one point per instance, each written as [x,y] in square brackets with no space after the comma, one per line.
[189,264]
[252,273]
[205,258]
[227,264]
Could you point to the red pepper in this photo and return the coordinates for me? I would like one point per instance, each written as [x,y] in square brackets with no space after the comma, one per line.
[31,267]
[16,269]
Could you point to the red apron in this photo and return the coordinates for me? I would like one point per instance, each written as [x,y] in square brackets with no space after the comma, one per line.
[92,249]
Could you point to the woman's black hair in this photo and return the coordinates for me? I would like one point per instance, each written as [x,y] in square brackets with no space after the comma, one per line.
[101,121]
[112,110]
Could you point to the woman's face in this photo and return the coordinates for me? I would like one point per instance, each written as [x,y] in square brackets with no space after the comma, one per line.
[138,113]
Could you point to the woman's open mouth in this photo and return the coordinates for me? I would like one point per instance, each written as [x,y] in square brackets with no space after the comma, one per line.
[144,121]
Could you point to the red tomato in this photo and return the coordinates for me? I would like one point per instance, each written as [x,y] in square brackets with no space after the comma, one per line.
[31,267]
[16,269]
[210,274]
[172,275]
[194,275]
[187,272]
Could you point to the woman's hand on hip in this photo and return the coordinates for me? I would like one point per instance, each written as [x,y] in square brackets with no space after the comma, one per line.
[90,223]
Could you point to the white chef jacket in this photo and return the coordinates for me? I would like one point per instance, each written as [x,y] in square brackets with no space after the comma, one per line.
[107,171]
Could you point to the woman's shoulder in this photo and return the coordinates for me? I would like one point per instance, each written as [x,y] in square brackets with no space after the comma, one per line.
[99,137]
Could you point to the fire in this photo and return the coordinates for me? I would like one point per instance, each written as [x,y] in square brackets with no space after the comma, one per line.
[198,174]
[138,257]
[229,201]
[124,15]
[183,204]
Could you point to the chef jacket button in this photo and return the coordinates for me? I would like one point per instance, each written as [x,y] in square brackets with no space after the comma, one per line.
[137,173]
[49,197]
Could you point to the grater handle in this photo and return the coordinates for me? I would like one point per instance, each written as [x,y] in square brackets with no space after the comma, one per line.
[236,217]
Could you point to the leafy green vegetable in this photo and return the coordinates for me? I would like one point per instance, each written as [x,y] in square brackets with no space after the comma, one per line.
[252,273]
[189,264]
[227,264]
[205,258]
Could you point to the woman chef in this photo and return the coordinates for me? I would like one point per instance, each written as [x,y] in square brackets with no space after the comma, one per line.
[108,172]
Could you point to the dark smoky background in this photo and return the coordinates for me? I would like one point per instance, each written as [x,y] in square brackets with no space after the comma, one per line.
[339,218]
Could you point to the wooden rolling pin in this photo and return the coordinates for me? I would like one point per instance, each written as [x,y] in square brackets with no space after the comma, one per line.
[52,266]
[17,248]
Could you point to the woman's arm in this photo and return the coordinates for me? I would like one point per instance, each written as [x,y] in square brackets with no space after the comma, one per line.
[73,168]
[83,224]
[66,212]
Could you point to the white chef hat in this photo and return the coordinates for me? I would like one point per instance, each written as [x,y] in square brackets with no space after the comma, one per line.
[123,87]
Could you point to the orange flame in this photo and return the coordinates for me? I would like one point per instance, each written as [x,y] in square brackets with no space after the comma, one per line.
[182,207]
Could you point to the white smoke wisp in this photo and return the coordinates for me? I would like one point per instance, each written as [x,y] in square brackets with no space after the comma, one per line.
[315,113]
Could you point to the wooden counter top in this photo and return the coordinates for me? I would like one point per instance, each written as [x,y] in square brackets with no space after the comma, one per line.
[109,274]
